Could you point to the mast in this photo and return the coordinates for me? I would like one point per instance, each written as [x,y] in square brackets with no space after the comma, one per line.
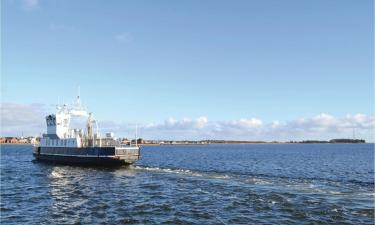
[78,101]
[136,130]
[89,130]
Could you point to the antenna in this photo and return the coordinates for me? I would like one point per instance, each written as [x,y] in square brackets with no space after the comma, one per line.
[78,101]
[78,91]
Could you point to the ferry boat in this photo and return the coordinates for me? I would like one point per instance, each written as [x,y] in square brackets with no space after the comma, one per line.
[62,144]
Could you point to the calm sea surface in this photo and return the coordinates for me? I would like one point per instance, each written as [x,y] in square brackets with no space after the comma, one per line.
[211,184]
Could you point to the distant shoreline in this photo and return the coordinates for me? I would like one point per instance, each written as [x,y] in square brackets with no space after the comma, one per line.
[15,144]
[265,143]
[226,143]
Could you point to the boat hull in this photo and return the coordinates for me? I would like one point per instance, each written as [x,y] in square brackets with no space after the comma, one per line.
[90,156]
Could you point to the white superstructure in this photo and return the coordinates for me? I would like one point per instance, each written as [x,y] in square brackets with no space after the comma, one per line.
[59,133]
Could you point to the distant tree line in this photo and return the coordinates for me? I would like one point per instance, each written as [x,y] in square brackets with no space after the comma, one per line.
[341,140]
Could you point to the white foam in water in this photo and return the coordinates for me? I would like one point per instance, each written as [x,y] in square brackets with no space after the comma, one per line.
[334,192]
[222,177]
[256,180]
[165,170]
[367,194]
[196,174]
[308,187]
[300,185]
[183,172]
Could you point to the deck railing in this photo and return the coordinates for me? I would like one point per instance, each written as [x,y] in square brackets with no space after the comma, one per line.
[103,143]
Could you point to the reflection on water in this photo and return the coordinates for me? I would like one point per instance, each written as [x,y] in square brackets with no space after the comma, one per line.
[195,185]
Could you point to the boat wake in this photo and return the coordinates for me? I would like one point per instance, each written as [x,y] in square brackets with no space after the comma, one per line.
[325,186]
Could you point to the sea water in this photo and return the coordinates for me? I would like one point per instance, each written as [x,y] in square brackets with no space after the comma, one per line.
[196,184]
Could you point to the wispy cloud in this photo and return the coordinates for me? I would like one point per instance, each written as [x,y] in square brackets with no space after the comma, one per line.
[183,124]
[29,119]
[123,37]
[30,4]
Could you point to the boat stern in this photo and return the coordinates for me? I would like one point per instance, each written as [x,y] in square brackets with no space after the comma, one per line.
[129,154]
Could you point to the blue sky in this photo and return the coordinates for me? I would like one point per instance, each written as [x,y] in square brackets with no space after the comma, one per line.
[148,62]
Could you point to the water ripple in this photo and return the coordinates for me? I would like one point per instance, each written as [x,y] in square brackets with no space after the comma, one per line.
[160,192]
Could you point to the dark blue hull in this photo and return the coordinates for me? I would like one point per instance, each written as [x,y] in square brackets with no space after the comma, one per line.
[81,161]
[90,156]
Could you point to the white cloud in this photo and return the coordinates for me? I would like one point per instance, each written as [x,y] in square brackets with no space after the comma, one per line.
[328,122]
[358,121]
[29,119]
[20,118]
[322,126]
[275,124]
[123,37]
[245,123]
[183,124]
[324,120]
[325,126]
